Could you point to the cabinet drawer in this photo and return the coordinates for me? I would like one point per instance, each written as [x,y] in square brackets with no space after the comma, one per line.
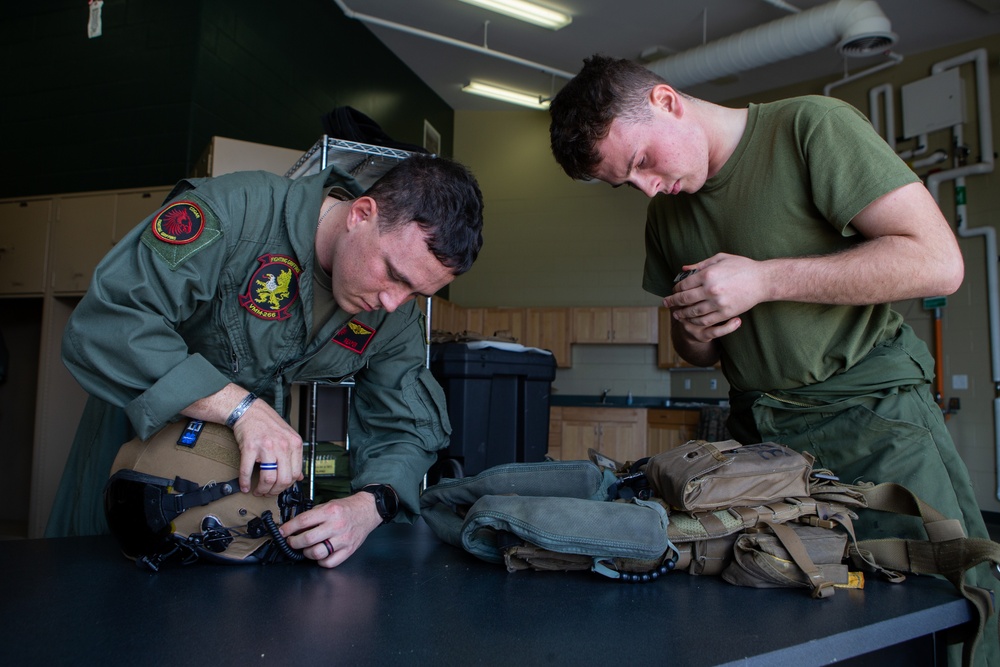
[668,418]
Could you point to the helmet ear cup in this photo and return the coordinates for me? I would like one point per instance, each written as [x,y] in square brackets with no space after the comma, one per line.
[127,496]
[174,492]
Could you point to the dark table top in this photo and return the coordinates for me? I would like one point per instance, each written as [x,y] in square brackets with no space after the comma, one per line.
[406,598]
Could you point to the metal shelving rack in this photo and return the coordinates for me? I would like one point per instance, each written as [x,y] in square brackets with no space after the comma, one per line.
[366,163]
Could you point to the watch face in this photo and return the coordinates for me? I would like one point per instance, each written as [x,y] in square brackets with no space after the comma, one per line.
[390,502]
[386,500]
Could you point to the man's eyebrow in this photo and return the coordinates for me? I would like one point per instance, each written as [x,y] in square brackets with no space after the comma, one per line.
[631,163]
[396,275]
[628,170]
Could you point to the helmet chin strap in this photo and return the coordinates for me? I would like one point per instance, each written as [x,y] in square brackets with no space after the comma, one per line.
[173,505]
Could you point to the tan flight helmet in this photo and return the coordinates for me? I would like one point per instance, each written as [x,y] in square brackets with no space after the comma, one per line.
[175,498]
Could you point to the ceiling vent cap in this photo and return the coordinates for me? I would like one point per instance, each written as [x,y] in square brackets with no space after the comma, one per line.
[867,32]
[856,27]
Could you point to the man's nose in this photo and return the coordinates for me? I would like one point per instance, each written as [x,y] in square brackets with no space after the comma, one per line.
[648,187]
[392,299]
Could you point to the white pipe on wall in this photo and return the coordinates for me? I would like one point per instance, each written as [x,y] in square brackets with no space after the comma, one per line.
[884,93]
[894,59]
[985,165]
[858,26]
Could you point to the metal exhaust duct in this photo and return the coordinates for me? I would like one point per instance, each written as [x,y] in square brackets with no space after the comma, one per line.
[856,27]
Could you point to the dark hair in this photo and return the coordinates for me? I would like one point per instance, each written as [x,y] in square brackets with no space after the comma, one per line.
[441,196]
[605,89]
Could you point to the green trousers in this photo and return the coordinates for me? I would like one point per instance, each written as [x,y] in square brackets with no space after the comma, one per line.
[877,422]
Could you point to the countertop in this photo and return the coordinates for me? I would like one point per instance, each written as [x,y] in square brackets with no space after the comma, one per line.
[406,598]
[585,401]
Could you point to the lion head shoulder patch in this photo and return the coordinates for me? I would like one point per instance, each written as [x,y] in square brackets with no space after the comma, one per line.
[179,223]
[273,287]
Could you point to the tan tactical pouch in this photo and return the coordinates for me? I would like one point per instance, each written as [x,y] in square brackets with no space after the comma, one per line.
[706,476]
[771,559]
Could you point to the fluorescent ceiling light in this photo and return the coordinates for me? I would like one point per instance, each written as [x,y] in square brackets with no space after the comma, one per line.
[506,95]
[526,11]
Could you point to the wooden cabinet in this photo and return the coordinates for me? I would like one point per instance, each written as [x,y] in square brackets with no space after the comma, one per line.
[445,315]
[131,208]
[619,433]
[503,322]
[614,325]
[24,232]
[49,247]
[555,432]
[549,329]
[82,233]
[87,226]
[623,434]
[667,429]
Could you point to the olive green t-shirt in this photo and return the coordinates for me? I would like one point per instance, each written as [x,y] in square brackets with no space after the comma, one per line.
[801,172]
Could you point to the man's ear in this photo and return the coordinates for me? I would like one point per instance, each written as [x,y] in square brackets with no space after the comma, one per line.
[664,98]
[363,209]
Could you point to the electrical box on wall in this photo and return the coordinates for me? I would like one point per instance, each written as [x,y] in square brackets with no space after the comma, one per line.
[934,103]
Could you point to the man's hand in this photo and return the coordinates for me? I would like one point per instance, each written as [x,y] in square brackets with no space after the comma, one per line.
[331,532]
[722,287]
[263,437]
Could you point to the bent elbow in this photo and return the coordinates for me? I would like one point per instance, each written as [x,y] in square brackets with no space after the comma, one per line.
[952,276]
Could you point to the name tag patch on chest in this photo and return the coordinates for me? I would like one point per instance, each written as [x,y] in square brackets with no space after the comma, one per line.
[355,336]
[181,222]
[273,288]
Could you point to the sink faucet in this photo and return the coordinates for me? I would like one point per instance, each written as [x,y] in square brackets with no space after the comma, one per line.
[604,396]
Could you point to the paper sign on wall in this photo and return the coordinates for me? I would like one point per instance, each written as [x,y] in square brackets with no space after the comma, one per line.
[94,24]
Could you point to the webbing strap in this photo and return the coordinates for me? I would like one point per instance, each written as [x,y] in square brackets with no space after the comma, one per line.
[896,498]
[948,552]
[821,588]
[174,504]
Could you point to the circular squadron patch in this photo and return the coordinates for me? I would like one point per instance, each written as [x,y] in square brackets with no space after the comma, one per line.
[273,287]
[181,222]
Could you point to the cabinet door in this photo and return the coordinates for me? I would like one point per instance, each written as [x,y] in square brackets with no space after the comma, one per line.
[24,229]
[622,441]
[576,438]
[446,316]
[82,234]
[619,433]
[131,208]
[474,320]
[555,432]
[549,329]
[668,429]
[497,321]
[634,325]
[592,325]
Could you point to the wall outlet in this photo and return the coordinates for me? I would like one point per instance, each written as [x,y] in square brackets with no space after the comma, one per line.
[713,384]
[687,383]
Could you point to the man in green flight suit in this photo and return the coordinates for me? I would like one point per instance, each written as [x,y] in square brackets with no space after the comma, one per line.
[778,235]
[244,283]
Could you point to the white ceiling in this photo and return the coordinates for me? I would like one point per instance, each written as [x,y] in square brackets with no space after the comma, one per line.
[625,28]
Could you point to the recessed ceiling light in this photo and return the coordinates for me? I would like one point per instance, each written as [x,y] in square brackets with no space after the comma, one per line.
[506,95]
[526,11]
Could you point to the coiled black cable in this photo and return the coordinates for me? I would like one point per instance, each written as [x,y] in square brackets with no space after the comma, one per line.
[279,539]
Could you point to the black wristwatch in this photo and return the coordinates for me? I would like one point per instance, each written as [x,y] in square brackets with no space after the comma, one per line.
[386,500]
